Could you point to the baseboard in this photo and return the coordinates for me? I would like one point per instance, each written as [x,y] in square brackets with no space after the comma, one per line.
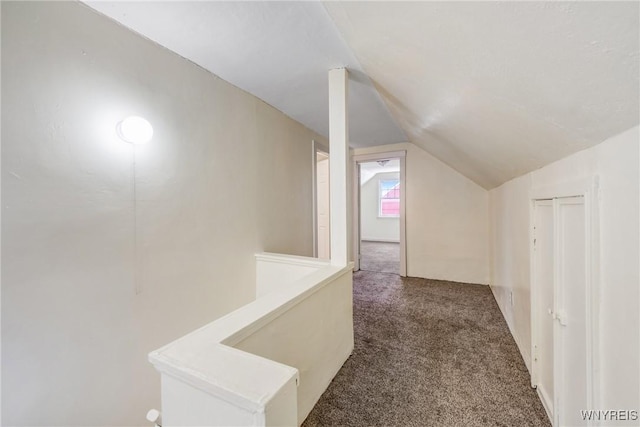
[366,239]
[545,403]
[527,361]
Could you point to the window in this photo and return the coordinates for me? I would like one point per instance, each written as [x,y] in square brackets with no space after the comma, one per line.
[389,198]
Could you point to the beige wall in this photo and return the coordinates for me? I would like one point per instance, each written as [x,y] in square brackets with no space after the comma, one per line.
[616,162]
[510,257]
[447,219]
[225,176]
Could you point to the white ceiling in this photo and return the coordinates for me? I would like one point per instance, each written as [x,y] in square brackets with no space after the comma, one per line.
[280,52]
[497,89]
[369,169]
[494,89]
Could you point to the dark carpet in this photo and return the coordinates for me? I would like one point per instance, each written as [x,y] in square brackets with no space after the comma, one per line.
[428,353]
[382,257]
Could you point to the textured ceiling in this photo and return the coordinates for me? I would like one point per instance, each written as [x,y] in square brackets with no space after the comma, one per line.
[494,89]
[497,89]
[280,52]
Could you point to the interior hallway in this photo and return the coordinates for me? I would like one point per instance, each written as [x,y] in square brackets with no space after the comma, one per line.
[428,353]
[381,257]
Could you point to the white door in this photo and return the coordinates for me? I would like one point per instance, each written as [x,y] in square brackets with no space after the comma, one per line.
[571,312]
[543,264]
[560,309]
[322,191]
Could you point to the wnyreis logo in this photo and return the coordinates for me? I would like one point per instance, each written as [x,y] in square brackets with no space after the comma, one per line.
[610,415]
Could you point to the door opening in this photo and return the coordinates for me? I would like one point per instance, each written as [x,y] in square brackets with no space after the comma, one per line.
[380,216]
[379,239]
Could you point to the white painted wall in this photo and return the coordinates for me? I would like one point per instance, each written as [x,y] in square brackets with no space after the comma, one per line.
[372,226]
[186,405]
[224,177]
[275,272]
[616,162]
[510,257]
[447,219]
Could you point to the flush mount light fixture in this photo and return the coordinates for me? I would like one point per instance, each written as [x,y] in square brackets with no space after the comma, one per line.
[135,130]
[383,162]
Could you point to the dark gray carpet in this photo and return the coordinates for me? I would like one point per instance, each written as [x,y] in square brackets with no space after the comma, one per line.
[382,257]
[428,353]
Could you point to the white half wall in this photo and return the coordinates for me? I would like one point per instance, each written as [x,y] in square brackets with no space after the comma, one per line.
[315,335]
[104,261]
[447,219]
[616,162]
[372,226]
[268,362]
[275,272]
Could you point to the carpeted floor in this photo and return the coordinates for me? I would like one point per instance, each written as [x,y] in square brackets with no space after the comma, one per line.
[382,257]
[428,353]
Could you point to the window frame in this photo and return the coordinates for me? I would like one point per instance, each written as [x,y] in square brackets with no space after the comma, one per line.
[380,198]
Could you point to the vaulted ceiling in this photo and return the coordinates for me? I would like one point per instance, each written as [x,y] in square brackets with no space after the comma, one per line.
[494,89]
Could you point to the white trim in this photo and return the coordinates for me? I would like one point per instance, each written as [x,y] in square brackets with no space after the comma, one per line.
[534,294]
[403,215]
[573,188]
[544,398]
[302,261]
[592,237]
[355,214]
[557,342]
[362,158]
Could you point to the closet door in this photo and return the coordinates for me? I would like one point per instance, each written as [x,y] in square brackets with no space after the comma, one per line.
[560,309]
[544,301]
[571,312]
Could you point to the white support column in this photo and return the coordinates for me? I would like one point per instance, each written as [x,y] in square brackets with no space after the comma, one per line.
[338,165]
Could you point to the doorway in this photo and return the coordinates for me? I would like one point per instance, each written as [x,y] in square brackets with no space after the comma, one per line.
[380,216]
[562,307]
[379,239]
[321,203]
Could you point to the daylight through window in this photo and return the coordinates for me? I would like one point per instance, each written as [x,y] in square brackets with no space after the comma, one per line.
[389,198]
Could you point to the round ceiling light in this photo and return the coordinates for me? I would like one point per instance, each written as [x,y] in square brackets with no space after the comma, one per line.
[135,130]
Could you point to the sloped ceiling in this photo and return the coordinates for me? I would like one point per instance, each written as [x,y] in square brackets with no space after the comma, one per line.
[280,52]
[494,89]
[497,89]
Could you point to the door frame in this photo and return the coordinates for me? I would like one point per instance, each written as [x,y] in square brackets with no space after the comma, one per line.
[355,167]
[587,188]
[316,148]
[544,398]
